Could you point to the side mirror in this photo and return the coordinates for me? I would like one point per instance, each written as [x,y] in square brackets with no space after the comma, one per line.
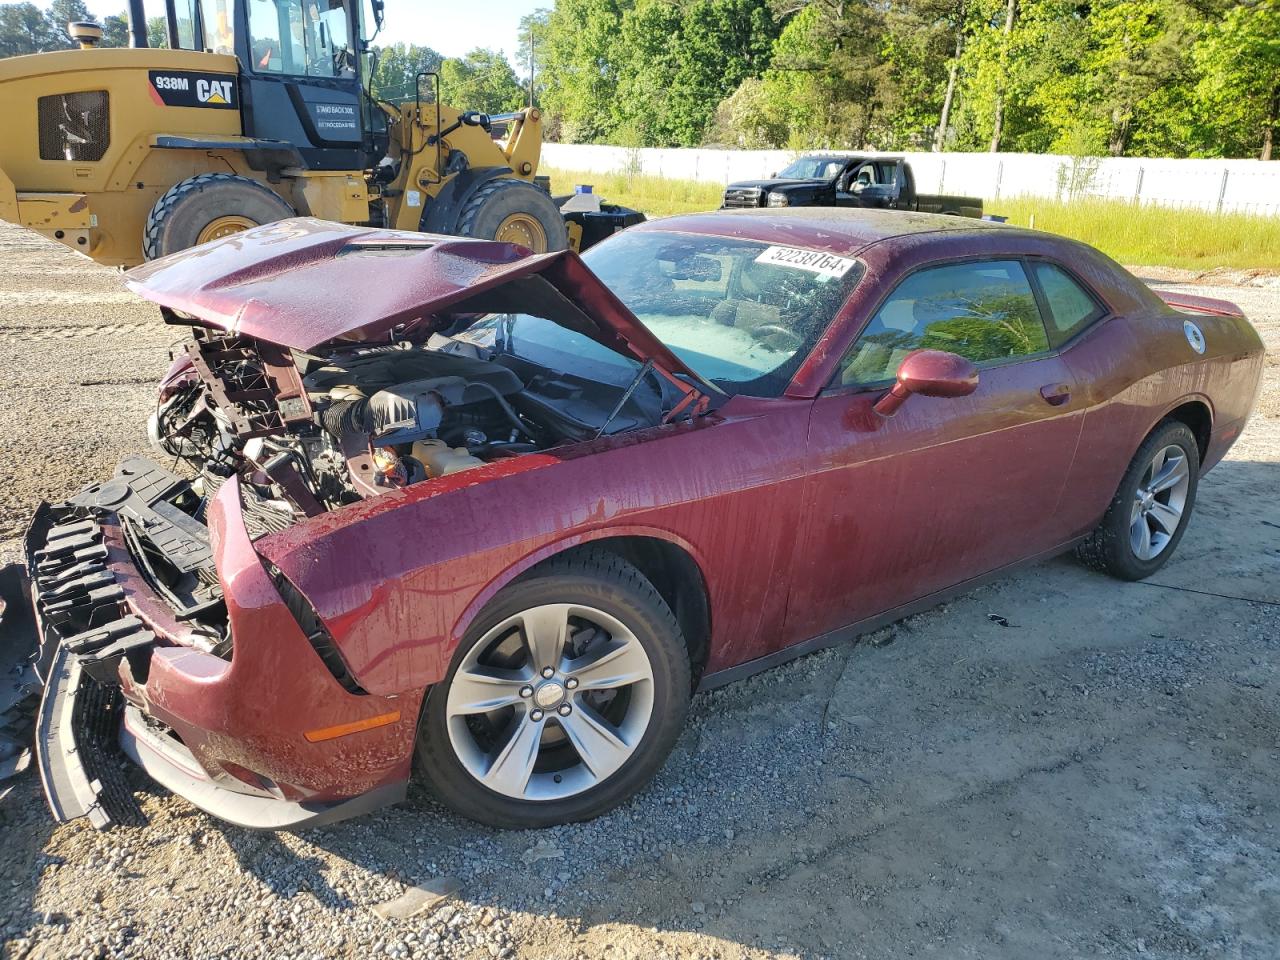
[930,373]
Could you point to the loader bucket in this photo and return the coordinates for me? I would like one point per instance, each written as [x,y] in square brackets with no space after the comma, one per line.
[19,683]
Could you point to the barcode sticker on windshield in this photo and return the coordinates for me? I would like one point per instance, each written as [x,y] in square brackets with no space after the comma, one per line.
[826,264]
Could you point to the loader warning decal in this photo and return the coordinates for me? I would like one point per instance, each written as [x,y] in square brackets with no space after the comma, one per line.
[180,88]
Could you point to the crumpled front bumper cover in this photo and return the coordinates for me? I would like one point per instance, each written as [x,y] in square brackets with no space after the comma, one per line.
[119,682]
[72,587]
[19,683]
[172,766]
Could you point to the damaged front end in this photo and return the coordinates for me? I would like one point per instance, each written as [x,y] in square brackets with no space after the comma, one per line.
[163,639]
[319,402]
[160,633]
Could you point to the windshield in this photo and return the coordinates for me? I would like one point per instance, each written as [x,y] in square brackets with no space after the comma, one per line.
[300,38]
[814,168]
[742,314]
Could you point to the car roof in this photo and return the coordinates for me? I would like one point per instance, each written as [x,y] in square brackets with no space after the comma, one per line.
[843,230]
[851,156]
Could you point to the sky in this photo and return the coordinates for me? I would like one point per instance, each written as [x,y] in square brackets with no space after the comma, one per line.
[449,26]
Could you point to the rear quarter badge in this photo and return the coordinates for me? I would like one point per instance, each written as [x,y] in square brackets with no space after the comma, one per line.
[1194,336]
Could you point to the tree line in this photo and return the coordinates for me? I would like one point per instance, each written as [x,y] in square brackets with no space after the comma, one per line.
[1198,78]
[1117,77]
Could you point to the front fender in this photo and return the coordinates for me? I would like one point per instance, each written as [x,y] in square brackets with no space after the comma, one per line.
[554,548]
[399,578]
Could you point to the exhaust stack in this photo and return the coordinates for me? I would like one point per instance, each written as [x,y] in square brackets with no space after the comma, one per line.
[137,24]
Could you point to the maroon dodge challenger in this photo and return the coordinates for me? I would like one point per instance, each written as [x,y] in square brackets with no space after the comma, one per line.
[444,507]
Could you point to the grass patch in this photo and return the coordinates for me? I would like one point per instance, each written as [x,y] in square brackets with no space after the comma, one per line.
[1154,236]
[654,196]
[1133,234]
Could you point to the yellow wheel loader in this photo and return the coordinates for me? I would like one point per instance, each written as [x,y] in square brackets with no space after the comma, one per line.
[257,111]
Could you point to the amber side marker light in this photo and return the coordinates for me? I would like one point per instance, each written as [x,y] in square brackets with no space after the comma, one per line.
[343,729]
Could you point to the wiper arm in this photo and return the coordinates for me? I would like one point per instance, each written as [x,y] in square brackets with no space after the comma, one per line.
[644,371]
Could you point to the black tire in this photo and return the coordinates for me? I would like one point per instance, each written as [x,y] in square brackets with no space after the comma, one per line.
[186,208]
[604,581]
[488,207]
[1109,547]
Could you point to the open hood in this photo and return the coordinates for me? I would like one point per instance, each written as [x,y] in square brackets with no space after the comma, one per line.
[307,283]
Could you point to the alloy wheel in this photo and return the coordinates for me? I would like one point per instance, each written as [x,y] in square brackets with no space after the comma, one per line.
[1159,502]
[550,702]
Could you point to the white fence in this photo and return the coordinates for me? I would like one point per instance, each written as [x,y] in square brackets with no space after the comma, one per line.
[1245,186]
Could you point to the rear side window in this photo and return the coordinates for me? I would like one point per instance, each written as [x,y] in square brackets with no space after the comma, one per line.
[984,311]
[1071,307]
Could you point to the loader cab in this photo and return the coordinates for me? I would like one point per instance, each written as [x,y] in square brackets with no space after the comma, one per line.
[299,71]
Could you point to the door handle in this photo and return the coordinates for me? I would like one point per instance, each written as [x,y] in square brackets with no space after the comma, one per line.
[1056,394]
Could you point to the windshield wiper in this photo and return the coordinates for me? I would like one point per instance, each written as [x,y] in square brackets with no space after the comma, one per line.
[645,369]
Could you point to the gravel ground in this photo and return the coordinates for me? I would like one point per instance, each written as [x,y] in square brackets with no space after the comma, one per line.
[1097,778]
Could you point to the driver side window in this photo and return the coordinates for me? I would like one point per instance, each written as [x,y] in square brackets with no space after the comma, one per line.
[983,311]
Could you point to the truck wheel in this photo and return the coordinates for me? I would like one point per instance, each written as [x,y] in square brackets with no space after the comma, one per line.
[514,211]
[208,207]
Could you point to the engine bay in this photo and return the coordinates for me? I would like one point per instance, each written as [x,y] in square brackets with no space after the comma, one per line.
[309,433]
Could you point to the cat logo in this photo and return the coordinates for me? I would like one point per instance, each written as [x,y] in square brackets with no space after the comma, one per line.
[213,91]
[183,88]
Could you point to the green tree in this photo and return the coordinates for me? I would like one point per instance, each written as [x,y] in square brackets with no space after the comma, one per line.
[1239,63]
[581,66]
[533,37]
[745,119]
[722,43]
[799,93]
[922,46]
[115,30]
[1138,52]
[157,32]
[24,28]
[396,68]
[830,80]
[642,113]
[482,80]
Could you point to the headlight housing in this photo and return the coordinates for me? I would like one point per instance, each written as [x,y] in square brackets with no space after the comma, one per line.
[779,200]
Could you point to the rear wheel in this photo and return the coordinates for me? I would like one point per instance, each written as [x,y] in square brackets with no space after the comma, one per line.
[514,211]
[208,207]
[563,700]
[1150,510]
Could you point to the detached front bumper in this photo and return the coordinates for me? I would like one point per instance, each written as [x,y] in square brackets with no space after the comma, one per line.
[265,738]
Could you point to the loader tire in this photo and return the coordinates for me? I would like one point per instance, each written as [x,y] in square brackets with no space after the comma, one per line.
[514,211]
[208,207]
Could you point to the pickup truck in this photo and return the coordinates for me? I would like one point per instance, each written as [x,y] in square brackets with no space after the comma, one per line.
[843,180]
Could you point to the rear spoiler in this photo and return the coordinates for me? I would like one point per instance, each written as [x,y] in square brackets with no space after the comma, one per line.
[1188,303]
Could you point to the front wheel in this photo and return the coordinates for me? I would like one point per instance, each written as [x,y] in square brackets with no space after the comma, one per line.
[514,211]
[1150,510]
[562,701]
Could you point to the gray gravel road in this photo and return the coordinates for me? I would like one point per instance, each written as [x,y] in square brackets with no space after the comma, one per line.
[1099,778]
